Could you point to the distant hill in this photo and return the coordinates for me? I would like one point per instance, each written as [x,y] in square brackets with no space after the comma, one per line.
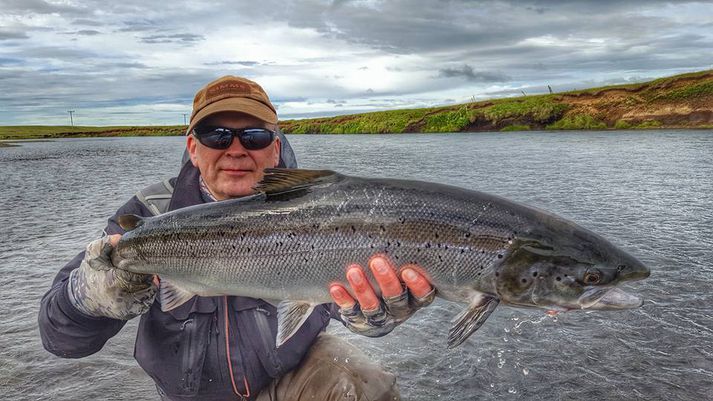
[680,101]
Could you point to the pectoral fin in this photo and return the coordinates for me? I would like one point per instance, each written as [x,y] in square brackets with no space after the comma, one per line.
[172,295]
[469,320]
[290,317]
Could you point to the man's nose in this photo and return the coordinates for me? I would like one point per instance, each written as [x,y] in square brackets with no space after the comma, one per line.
[236,149]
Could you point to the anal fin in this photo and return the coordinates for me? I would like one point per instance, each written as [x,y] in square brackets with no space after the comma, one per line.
[290,317]
[470,319]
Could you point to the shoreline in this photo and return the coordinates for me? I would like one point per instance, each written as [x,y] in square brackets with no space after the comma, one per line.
[9,139]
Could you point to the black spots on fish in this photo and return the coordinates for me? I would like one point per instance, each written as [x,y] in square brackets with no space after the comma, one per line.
[445,247]
[371,246]
[247,249]
[336,229]
[428,245]
[312,247]
[402,220]
[291,235]
[306,259]
[370,236]
[353,229]
[396,257]
[558,278]
[436,235]
[500,256]
[467,235]
[440,258]
[462,251]
[524,281]
[315,226]
[534,274]
[242,236]
[620,268]
[233,245]
[482,251]
[382,228]
[497,274]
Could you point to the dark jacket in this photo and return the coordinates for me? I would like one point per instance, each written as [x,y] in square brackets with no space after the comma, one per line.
[210,348]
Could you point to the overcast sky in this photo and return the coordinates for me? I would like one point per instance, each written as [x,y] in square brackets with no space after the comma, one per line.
[125,62]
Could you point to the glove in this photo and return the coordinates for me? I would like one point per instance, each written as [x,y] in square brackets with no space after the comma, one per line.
[98,289]
[391,312]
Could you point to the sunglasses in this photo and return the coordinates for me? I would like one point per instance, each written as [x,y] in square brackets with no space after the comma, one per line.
[222,137]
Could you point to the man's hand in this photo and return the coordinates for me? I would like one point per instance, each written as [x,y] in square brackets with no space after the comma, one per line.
[372,316]
[98,289]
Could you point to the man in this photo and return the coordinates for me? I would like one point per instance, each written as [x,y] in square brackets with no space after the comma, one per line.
[223,348]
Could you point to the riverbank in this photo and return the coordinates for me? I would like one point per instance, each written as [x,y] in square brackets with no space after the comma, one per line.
[679,102]
[52,131]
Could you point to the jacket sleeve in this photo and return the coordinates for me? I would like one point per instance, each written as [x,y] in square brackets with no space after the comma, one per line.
[67,332]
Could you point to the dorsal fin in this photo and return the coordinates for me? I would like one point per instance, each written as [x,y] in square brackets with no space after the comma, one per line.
[281,180]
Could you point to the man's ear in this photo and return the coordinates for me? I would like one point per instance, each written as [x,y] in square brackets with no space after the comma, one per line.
[278,148]
[191,145]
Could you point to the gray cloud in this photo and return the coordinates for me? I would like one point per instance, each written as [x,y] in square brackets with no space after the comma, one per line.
[87,22]
[88,32]
[467,72]
[38,7]
[7,35]
[173,38]
[242,63]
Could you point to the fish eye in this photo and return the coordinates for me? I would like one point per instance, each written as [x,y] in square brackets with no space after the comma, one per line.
[592,277]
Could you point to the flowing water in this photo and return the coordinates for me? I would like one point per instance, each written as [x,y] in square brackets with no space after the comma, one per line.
[649,192]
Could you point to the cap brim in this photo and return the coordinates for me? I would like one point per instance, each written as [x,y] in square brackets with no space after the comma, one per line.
[238,105]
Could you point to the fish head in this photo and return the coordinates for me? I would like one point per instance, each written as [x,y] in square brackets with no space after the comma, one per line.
[561,266]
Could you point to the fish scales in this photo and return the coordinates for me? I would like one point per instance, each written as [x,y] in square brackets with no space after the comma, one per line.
[254,247]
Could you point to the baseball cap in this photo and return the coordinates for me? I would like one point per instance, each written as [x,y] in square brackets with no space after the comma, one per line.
[231,93]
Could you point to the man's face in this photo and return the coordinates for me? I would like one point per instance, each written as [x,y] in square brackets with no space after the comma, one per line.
[233,172]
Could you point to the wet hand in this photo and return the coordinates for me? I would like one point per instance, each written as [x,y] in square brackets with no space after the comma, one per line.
[98,289]
[373,315]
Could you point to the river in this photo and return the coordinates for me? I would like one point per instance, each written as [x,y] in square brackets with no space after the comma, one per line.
[649,192]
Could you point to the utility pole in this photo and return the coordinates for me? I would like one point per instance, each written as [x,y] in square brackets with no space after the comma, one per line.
[550,88]
[184,119]
[71,120]
[523,93]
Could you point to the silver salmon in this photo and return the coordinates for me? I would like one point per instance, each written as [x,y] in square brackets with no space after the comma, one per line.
[299,232]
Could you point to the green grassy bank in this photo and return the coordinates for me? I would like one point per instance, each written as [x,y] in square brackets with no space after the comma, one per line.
[49,131]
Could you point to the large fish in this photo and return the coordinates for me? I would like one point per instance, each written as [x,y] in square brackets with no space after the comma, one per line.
[301,230]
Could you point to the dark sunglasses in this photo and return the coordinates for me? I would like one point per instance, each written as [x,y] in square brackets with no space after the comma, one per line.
[222,137]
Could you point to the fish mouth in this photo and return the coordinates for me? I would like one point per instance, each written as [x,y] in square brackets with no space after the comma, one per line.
[608,299]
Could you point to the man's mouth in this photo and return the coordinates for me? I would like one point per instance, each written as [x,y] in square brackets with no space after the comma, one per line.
[236,171]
